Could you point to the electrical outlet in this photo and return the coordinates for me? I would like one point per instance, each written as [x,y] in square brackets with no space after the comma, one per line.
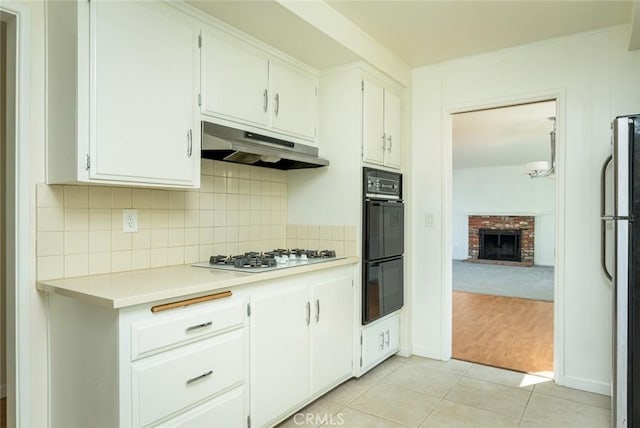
[129,221]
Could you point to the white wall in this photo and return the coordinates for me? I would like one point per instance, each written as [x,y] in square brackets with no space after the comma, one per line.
[3,138]
[503,190]
[596,79]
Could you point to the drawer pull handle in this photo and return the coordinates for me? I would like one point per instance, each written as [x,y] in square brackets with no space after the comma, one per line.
[197,378]
[199,326]
[183,303]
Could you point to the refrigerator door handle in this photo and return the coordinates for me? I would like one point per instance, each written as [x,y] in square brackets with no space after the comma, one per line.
[604,219]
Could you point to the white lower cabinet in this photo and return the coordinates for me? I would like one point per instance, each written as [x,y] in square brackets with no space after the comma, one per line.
[332,344]
[249,359]
[301,343]
[279,351]
[116,368]
[379,341]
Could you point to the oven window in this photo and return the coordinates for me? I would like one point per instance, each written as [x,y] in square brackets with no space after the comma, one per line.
[384,230]
[392,280]
[383,290]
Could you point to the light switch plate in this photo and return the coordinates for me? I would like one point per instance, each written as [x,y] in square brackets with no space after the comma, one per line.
[428,219]
[129,221]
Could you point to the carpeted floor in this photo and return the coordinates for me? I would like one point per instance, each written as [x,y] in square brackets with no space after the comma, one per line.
[511,281]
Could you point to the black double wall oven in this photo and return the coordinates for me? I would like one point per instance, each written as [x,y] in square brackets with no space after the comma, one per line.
[383,244]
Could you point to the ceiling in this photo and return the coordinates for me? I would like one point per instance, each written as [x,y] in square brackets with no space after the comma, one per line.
[419,32]
[425,32]
[503,136]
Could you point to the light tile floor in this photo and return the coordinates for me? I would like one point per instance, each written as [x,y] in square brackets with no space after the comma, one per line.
[425,393]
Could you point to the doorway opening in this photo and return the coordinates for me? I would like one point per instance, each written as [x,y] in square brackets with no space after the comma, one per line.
[14,205]
[503,221]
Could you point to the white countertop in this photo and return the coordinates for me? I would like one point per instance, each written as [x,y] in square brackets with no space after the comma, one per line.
[122,289]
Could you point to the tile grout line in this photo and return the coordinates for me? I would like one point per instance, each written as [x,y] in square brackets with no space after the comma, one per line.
[574,401]
[443,398]
[524,410]
[380,380]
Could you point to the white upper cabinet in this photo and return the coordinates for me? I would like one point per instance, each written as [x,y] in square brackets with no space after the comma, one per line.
[235,81]
[143,70]
[373,136]
[246,87]
[381,116]
[295,105]
[135,89]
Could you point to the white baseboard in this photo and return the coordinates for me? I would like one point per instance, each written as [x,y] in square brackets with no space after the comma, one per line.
[424,351]
[583,384]
[405,351]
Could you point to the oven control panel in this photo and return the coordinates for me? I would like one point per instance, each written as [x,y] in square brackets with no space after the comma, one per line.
[382,184]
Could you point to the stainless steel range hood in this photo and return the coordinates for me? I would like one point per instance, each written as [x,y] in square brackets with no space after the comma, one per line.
[234,145]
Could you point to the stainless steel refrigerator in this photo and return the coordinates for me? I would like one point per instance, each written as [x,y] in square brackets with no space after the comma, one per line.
[620,218]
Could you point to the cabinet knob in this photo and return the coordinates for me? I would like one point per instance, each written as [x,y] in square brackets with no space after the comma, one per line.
[384,141]
[277,107]
[390,143]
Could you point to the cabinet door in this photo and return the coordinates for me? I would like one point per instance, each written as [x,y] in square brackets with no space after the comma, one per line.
[294,98]
[392,156]
[373,138]
[143,86]
[332,338]
[392,336]
[373,346]
[279,352]
[380,341]
[235,81]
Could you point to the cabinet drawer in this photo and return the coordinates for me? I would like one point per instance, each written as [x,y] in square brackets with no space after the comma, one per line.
[170,381]
[182,325]
[226,410]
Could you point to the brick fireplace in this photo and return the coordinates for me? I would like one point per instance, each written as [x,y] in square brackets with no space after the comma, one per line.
[502,239]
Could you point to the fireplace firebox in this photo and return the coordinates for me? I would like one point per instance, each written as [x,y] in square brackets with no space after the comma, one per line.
[496,244]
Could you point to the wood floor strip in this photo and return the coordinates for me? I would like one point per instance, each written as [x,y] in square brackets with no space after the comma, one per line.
[507,332]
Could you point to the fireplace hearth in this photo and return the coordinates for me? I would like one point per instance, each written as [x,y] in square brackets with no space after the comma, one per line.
[501,239]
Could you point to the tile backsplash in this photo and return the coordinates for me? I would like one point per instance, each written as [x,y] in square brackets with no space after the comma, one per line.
[341,238]
[238,208]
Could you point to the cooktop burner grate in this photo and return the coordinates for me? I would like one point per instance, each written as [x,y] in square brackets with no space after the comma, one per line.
[269,260]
